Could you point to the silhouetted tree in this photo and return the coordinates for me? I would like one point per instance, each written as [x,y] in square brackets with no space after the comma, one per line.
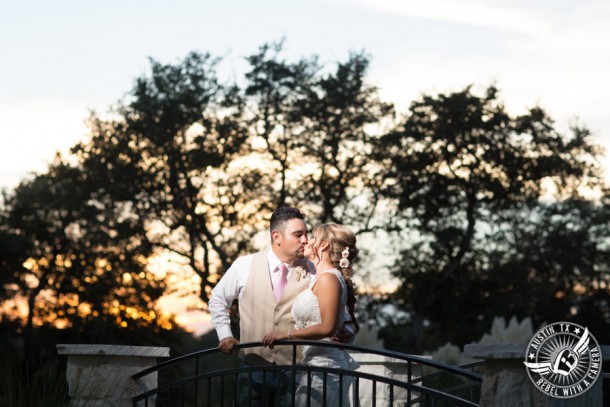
[343,120]
[319,131]
[168,157]
[553,265]
[190,168]
[73,258]
[273,88]
[456,167]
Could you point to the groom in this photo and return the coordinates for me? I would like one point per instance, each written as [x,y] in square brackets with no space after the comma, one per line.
[266,284]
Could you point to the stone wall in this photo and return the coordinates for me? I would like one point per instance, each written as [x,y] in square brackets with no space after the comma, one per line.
[100,375]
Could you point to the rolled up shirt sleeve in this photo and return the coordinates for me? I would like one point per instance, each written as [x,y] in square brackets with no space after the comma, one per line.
[229,288]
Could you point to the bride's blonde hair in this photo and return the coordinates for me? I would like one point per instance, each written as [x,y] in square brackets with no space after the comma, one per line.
[339,238]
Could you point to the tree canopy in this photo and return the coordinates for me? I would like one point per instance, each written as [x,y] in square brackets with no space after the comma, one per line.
[460,172]
[483,213]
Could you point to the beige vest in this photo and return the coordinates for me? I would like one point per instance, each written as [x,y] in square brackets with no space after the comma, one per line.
[260,314]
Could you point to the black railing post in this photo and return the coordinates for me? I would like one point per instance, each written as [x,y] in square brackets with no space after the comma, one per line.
[222,390]
[374,393]
[409,379]
[196,382]
[294,375]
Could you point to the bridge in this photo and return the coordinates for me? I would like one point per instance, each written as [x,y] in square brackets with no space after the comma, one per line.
[126,376]
[209,378]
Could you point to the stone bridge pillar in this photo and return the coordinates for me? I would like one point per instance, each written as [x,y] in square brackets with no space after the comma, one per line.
[100,375]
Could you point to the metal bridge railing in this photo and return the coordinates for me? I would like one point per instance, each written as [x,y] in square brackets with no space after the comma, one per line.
[210,378]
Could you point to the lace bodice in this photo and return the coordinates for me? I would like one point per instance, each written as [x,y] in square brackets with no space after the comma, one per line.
[306,312]
[306,308]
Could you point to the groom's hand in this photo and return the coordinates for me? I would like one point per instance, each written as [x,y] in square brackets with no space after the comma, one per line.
[344,336]
[227,344]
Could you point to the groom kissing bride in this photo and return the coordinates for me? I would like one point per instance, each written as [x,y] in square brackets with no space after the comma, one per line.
[299,288]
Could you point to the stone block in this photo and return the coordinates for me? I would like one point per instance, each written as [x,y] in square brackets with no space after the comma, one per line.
[101,375]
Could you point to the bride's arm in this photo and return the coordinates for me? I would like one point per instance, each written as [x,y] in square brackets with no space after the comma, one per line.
[328,291]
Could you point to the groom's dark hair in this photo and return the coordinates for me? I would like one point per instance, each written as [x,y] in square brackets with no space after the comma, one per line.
[283,215]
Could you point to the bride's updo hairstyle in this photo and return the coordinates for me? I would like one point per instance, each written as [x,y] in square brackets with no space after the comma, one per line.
[341,246]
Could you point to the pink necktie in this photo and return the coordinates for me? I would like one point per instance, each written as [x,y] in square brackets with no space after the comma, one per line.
[280,284]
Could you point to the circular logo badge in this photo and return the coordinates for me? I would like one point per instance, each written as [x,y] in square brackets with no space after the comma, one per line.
[563,360]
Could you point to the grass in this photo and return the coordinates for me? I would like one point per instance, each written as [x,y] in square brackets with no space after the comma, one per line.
[34,384]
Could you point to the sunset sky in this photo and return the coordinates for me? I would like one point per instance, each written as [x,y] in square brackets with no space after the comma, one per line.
[62,58]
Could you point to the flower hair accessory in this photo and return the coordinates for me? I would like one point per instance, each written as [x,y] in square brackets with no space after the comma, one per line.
[344,262]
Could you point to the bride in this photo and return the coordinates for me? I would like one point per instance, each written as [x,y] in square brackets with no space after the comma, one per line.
[318,312]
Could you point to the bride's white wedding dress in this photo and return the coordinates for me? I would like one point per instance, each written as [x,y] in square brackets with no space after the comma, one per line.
[306,312]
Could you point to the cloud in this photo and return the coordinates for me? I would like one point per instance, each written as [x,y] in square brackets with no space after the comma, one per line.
[490,14]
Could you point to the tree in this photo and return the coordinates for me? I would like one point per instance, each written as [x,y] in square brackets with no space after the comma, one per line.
[343,118]
[556,265]
[73,257]
[168,158]
[320,131]
[273,89]
[456,167]
[190,168]
[179,154]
